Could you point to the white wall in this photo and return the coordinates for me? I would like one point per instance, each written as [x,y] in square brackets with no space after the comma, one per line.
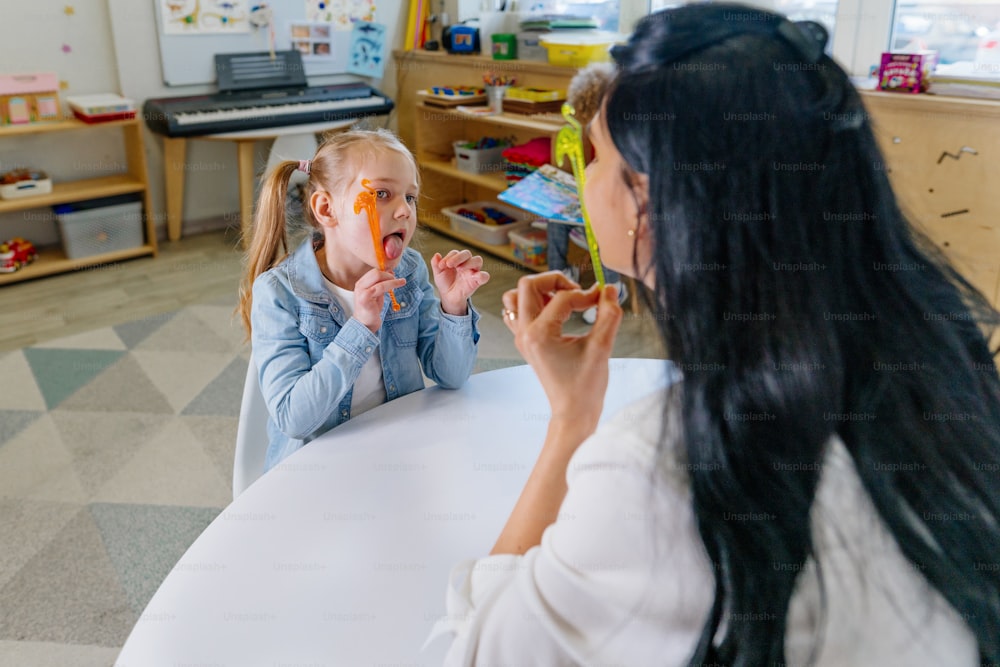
[114,49]
[32,35]
[212,184]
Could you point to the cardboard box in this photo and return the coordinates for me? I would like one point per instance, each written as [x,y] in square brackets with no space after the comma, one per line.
[907,72]
[29,98]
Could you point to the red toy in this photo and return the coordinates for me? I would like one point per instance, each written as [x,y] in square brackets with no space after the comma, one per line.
[16,253]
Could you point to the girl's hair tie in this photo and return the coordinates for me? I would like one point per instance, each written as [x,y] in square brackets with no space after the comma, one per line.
[304,165]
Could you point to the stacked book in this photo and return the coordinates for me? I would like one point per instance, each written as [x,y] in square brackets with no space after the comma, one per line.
[559,22]
[533,100]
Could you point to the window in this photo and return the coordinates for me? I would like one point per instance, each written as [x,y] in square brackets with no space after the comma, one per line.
[966,34]
[821,11]
[604,12]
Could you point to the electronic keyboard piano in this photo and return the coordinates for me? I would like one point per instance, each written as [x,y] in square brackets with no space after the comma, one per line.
[246,110]
[258,90]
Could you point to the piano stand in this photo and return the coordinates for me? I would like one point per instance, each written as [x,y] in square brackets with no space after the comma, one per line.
[175,152]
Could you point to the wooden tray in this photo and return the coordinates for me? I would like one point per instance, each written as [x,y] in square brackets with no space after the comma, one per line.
[448,101]
[529,107]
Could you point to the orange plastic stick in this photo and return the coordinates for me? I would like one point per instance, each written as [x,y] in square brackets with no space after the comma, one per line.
[366,200]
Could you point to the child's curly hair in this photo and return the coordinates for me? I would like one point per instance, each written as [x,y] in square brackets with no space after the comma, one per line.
[587,88]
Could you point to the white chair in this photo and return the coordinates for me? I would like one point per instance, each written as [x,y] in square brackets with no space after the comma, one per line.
[292,146]
[251,434]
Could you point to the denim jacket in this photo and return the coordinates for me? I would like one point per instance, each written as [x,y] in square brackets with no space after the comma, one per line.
[309,352]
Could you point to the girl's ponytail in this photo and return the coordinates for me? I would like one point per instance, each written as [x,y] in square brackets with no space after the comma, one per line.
[269,240]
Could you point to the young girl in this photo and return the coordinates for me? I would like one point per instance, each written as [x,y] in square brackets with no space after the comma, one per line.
[326,338]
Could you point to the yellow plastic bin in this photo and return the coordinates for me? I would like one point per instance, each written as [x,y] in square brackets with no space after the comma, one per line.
[578,50]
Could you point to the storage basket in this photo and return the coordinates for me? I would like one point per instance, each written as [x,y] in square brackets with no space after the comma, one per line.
[492,234]
[530,246]
[478,160]
[98,226]
[28,184]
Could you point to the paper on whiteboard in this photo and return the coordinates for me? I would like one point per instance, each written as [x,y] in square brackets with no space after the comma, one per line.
[367,49]
[204,17]
[341,13]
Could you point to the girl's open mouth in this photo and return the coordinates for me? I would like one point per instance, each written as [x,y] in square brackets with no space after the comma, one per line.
[393,244]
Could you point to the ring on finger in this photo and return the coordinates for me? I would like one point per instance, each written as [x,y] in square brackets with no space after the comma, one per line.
[510,315]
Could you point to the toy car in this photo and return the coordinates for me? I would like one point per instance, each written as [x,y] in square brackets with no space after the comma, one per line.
[16,253]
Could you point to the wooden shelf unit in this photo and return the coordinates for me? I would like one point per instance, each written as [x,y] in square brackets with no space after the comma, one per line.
[433,130]
[135,180]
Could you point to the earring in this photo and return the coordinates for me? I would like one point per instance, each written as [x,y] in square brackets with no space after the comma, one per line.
[630,233]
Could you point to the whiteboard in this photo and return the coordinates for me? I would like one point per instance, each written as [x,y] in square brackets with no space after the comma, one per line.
[190,59]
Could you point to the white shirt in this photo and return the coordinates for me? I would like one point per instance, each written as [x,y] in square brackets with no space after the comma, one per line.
[621,578]
[369,388]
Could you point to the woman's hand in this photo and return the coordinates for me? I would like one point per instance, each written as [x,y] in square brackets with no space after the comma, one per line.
[369,295]
[457,276]
[573,369]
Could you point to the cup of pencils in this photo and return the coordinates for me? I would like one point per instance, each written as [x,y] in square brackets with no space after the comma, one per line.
[496,88]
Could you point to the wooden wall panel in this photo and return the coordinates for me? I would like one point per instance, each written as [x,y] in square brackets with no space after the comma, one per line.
[943,156]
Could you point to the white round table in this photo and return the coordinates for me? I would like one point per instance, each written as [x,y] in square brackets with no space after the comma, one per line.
[340,555]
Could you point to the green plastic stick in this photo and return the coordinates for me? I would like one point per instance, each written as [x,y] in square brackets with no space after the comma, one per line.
[569,143]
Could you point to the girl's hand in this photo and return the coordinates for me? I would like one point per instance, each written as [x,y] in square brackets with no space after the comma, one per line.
[457,276]
[573,370]
[369,295]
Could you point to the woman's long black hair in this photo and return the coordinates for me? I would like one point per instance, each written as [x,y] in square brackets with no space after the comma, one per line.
[801,305]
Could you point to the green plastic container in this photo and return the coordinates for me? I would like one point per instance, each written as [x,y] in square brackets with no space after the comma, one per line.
[504,46]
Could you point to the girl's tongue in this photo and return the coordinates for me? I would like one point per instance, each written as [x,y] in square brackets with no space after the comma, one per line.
[393,245]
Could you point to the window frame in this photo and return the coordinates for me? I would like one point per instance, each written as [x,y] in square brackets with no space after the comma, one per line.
[862,33]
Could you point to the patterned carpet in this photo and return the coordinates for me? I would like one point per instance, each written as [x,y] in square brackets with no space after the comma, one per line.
[116,451]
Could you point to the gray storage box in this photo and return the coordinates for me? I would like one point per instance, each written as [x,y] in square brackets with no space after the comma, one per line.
[101,225]
[529,48]
[479,160]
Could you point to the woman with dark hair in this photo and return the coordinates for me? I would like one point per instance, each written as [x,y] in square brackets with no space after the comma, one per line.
[821,486]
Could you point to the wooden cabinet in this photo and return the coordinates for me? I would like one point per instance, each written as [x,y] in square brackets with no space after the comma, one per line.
[941,155]
[443,184]
[134,180]
[430,131]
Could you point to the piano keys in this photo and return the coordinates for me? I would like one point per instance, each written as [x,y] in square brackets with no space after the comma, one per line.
[255,109]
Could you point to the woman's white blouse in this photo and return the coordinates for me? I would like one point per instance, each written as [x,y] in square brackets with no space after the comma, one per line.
[622,579]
